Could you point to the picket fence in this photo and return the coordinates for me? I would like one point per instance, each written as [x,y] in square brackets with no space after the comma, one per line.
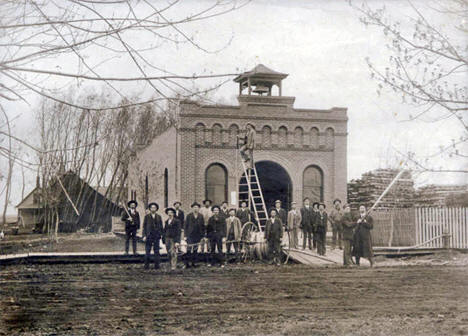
[422,227]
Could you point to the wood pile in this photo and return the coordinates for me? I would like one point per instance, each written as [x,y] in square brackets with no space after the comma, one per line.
[366,190]
[438,195]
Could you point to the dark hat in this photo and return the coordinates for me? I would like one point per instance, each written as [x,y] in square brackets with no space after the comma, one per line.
[169,209]
[225,202]
[305,199]
[176,203]
[195,204]
[277,201]
[215,207]
[315,203]
[207,200]
[250,124]
[346,206]
[153,203]
[132,201]
[336,200]
[322,204]
[273,209]
[232,209]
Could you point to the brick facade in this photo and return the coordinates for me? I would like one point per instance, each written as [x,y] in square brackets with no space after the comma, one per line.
[292,138]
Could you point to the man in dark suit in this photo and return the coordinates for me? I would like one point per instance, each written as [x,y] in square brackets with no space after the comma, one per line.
[281,213]
[273,236]
[307,224]
[152,233]
[224,211]
[315,211]
[216,233]
[349,223]
[179,214]
[243,213]
[171,236]
[194,230]
[132,225]
[362,237]
[321,222]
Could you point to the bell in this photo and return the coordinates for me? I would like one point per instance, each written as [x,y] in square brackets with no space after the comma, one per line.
[261,89]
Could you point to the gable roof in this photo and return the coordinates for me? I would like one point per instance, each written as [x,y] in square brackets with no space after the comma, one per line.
[261,70]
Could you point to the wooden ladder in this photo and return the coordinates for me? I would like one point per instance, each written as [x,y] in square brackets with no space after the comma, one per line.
[250,179]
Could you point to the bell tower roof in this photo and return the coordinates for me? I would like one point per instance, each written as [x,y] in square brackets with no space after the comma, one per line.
[262,79]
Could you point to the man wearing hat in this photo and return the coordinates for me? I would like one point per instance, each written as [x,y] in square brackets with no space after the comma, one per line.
[233,232]
[131,218]
[215,232]
[315,212]
[194,229]
[273,236]
[349,223]
[152,233]
[281,213]
[171,236]
[294,223]
[307,223]
[179,214]
[243,213]
[246,150]
[321,222]
[224,210]
[335,218]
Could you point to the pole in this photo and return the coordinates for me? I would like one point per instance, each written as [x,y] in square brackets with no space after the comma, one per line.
[386,191]
[68,196]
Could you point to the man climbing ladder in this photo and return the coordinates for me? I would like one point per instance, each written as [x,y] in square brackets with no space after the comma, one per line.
[246,149]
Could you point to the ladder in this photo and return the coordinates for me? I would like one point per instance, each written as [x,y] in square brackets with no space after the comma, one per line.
[255,195]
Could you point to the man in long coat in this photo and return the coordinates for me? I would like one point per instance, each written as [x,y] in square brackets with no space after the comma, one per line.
[216,232]
[171,236]
[179,214]
[233,233]
[132,225]
[321,223]
[206,212]
[315,212]
[294,223]
[194,230]
[152,233]
[307,223]
[348,224]
[362,237]
[273,236]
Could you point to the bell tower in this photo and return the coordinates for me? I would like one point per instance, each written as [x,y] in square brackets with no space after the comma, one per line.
[259,81]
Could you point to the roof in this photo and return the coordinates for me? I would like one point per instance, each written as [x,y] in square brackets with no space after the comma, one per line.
[261,71]
[28,201]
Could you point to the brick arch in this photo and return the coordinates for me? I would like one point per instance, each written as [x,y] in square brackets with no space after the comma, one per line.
[217,133]
[282,136]
[314,137]
[298,137]
[200,133]
[266,136]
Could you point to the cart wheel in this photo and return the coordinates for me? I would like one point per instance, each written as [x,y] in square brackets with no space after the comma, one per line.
[248,232]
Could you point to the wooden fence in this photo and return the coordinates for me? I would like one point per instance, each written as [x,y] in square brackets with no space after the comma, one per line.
[433,222]
[416,226]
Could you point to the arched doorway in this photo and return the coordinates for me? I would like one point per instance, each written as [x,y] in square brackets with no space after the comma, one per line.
[275,183]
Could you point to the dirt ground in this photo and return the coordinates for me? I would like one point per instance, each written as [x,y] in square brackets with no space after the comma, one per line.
[246,299]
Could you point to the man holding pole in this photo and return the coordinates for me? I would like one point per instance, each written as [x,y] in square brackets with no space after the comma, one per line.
[131,218]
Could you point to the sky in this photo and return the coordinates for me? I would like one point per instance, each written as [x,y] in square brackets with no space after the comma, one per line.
[321,44]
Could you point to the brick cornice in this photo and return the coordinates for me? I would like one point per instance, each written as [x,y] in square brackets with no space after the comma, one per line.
[220,116]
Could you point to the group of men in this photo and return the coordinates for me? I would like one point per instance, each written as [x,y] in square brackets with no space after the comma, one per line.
[207,228]
[349,231]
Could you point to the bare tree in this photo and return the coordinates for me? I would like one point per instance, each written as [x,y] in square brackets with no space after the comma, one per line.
[427,67]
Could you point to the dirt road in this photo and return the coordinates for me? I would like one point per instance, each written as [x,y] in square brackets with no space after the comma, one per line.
[258,299]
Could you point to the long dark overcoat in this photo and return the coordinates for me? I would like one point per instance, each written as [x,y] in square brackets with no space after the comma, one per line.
[172,231]
[274,231]
[152,227]
[194,228]
[362,246]
[307,219]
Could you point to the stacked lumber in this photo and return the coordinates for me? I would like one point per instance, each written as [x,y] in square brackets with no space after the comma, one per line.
[367,189]
[434,195]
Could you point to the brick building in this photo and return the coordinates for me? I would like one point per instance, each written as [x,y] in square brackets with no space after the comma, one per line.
[299,152]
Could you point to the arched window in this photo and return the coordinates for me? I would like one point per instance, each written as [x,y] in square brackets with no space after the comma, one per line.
[314,137]
[266,137]
[313,184]
[298,137]
[216,183]
[233,131]
[282,136]
[217,134]
[166,188]
[200,134]
[330,138]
